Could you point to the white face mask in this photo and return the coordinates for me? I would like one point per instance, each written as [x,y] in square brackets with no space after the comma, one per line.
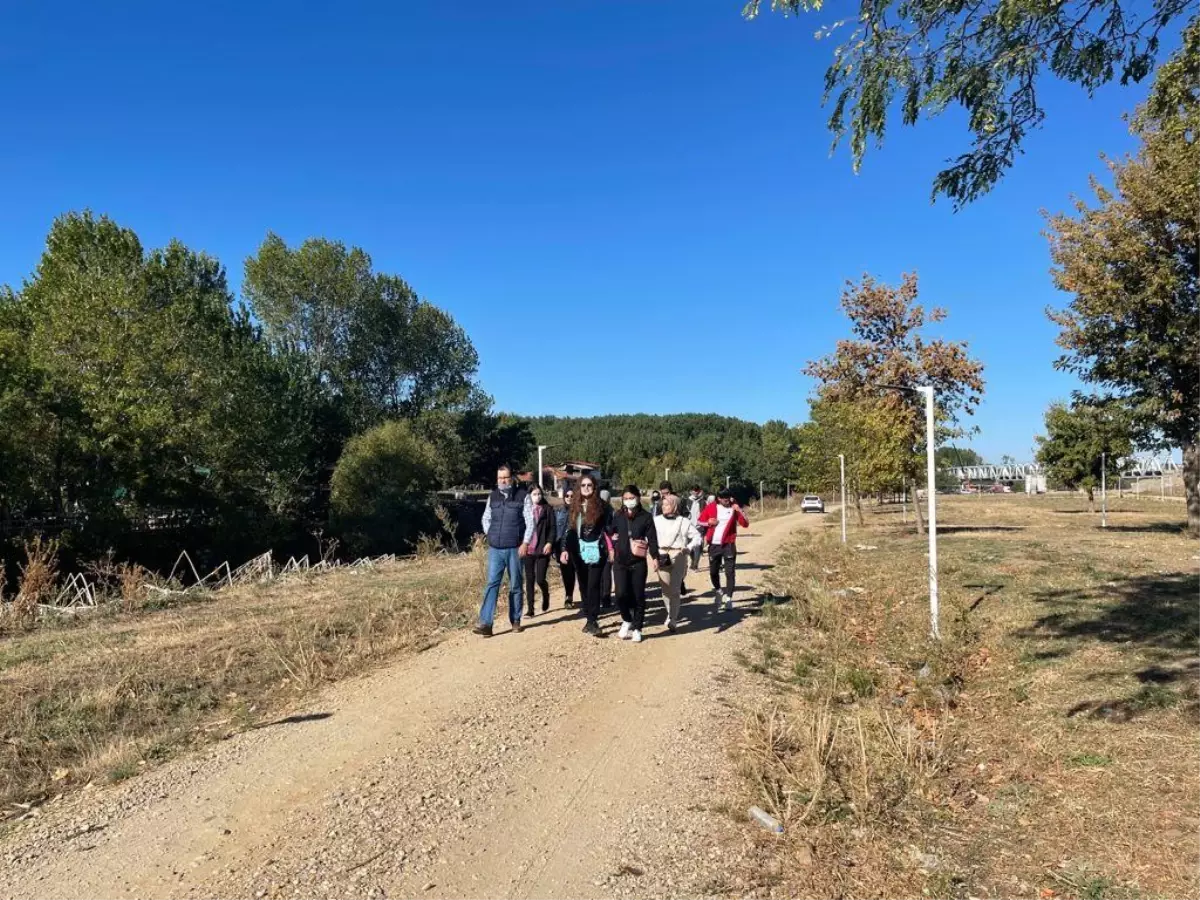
[631,504]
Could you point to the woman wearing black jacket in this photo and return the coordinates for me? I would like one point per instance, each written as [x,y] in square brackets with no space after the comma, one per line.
[635,542]
[586,547]
[537,558]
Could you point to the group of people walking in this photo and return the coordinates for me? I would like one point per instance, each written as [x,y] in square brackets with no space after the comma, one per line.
[598,548]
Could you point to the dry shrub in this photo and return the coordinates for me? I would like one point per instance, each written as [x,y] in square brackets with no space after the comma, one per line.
[125,581]
[37,584]
[823,762]
[428,546]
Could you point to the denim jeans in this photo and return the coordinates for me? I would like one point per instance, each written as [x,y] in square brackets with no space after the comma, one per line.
[498,561]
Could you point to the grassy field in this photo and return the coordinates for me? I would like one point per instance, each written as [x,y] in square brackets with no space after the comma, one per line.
[1046,747]
[104,696]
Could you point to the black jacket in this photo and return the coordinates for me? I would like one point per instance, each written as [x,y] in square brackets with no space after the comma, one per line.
[624,529]
[545,530]
[590,533]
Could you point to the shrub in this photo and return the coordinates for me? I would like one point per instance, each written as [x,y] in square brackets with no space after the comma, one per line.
[380,499]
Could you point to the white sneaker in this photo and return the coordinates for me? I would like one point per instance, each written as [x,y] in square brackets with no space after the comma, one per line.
[624,632]
[728,604]
[636,637]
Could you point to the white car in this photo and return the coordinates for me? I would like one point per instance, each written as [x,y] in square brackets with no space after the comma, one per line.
[812,503]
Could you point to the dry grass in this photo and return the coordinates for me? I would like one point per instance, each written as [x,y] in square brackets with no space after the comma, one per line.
[1045,747]
[102,698]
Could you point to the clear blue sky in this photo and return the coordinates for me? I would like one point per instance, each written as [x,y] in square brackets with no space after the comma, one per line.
[593,170]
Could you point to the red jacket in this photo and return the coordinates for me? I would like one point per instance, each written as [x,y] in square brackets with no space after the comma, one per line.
[709,518]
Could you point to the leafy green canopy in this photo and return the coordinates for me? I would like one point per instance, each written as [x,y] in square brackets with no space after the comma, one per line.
[698,448]
[919,57]
[1132,265]
[1082,440]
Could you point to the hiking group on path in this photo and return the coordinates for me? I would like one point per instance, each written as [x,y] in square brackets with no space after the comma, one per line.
[597,548]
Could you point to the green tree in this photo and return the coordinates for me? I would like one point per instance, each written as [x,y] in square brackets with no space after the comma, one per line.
[1132,264]
[380,499]
[1080,439]
[777,450]
[146,392]
[888,350]
[988,57]
[867,432]
[377,348]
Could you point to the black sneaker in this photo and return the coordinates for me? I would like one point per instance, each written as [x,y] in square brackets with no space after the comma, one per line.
[481,629]
[570,603]
[545,606]
[591,627]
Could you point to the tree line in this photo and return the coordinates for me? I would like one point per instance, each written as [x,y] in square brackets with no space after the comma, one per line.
[146,409]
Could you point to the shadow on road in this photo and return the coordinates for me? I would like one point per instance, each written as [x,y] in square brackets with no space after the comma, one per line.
[295,720]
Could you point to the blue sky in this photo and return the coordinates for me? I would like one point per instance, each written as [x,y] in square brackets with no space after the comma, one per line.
[564,177]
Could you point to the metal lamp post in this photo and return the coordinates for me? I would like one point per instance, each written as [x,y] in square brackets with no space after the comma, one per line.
[842,467]
[541,468]
[926,390]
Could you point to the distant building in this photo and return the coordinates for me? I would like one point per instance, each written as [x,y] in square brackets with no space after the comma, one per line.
[566,476]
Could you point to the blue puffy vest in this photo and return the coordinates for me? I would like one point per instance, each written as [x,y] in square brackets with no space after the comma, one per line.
[507,527]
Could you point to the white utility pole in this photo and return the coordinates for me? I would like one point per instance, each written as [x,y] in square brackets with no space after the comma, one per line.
[788,491]
[668,478]
[904,503]
[762,500]
[541,467]
[930,489]
[727,477]
[842,467]
[1103,490]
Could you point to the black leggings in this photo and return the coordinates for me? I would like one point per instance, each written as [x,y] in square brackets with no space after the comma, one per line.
[631,592]
[718,555]
[590,580]
[535,575]
[567,570]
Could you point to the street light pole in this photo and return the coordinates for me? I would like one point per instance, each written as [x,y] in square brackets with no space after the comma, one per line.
[762,500]
[1103,490]
[668,478]
[727,477]
[541,468]
[926,391]
[930,489]
[842,467]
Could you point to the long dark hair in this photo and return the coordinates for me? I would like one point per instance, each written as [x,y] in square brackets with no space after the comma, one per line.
[595,509]
[631,489]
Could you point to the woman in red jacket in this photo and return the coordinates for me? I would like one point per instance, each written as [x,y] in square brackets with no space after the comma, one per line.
[721,520]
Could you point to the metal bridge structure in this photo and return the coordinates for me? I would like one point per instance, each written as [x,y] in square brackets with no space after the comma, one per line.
[1146,465]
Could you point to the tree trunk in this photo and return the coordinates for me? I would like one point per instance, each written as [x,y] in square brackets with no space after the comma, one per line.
[858,507]
[1091,500]
[1191,485]
[917,508]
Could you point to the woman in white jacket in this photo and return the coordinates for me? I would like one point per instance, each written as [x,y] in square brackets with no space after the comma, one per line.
[677,537]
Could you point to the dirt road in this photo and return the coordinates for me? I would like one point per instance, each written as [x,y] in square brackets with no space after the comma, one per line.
[544,764]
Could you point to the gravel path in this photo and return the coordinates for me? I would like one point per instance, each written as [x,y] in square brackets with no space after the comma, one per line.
[545,764]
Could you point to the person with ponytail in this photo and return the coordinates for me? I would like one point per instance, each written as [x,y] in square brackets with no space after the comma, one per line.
[586,548]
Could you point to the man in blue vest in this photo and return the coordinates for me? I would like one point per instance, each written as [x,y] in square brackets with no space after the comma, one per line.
[508,525]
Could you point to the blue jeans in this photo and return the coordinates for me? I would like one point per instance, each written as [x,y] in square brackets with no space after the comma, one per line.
[498,561]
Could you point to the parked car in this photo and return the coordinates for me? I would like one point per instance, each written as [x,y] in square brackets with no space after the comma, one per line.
[812,503]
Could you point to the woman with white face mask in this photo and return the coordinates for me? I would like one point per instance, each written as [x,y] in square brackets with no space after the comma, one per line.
[537,557]
[634,545]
